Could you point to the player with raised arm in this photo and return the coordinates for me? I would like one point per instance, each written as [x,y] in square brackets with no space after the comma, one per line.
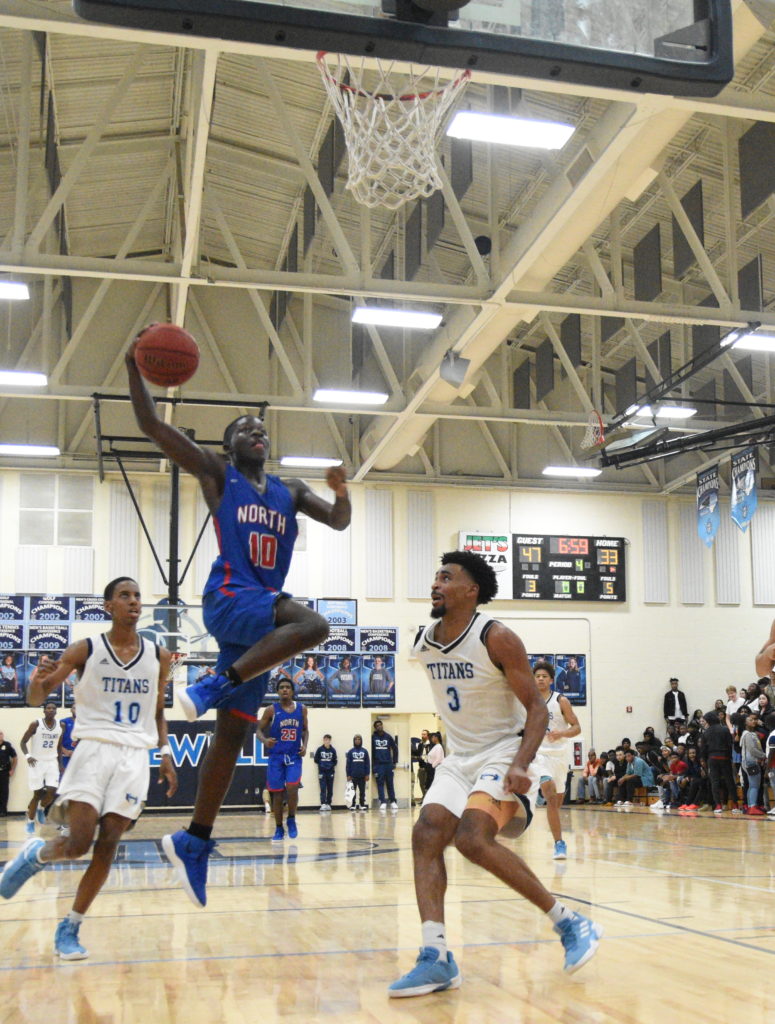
[120,688]
[553,758]
[255,623]
[495,720]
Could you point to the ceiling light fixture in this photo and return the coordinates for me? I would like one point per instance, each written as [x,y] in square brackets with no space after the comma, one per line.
[409,318]
[509,131]
[350,397]
[23,379]
[308,462]
[572,471]
[675,412]
[755,343]
[14,290]
[42,451]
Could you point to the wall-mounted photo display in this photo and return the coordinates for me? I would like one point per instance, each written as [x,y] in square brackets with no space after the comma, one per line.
[30,664]
[343,681]
[309,679]
[378,681]
[12,678]
[571,677]
[277,674]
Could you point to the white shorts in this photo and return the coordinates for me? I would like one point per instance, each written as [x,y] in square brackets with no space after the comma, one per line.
[554,768]
[112,778]
[44,775]
[458,776]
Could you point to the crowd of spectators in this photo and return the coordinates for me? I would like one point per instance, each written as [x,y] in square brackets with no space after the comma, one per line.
[704,760]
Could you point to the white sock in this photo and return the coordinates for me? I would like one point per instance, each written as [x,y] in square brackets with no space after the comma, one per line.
[559,912]
[434,935]
[74,917]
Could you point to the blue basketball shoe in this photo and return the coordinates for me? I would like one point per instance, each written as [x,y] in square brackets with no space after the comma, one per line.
[429,974]
[292,830]
[40,816]
[19,870]
[580,938]
[208,693]
[189,855]
[66,941]
[560,850]
[279,834]
[29,826]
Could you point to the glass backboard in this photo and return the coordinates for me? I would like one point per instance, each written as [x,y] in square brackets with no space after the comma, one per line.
[681,47]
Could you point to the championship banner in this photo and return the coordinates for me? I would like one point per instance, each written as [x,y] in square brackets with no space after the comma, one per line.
[708,516]
[50,609]
[11,608]
[744,497]
[498,551]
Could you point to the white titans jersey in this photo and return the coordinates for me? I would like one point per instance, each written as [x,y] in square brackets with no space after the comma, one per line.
[555,748]
[43,742]
[473,699]
[117,702]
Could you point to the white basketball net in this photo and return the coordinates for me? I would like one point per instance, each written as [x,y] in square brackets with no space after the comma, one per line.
[594,435]
[391,127]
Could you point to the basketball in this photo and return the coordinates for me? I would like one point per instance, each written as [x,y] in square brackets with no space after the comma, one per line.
[166,355]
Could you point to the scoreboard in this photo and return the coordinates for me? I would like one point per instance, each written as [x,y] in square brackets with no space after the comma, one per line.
[566,568]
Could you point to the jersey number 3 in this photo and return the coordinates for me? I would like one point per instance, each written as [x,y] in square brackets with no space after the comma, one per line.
[454,699]
[263,549]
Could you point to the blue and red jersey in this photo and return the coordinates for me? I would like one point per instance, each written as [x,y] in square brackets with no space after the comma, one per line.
[256,533]
[288,729]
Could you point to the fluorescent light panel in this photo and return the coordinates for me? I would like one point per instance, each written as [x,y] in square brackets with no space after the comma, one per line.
[350,397]
[571,471]
[509,131]
[14,290]
[43,451]
[23,379]
[308,462]
[675,412]
[409,318]
[756,343]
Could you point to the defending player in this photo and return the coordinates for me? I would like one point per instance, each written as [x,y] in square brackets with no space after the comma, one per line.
[487,699]
[255,623]
[42,735]
[553,756]
[284,732]
[120,688]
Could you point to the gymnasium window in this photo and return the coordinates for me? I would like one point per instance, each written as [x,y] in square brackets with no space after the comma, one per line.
[56,509]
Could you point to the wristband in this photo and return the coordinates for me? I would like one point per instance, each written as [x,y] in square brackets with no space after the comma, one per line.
[165,750]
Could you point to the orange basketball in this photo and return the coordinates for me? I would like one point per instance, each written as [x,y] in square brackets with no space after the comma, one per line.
[166,355]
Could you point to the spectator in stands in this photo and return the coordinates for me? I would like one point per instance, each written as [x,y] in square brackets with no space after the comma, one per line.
[767,685]
[637,774]
[693,782]
[661,766]
[650,739]
[717,753]
[753,758]
[770,752]
[676,769]
[763,706]
[625,744]
[752,695]
[734,701]
[589,779]
[435,755]
[618,766]
[674,704]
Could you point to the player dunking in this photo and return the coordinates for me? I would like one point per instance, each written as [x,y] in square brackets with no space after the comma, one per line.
[487,698]
[120,689]
[255,623]
[284,732]
[553,755]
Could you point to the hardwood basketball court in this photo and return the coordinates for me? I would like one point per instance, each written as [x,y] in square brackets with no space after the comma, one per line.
[317,929]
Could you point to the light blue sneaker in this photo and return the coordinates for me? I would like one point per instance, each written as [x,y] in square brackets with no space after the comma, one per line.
[580,938]
[40,815]
[66,942]
[279,834]
[429,974]
[292,830]
[29,826]
[560,850]
[189,856]
[24,865]
[208,693]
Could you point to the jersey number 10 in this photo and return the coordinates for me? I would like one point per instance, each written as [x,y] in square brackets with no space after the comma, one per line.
[263,549]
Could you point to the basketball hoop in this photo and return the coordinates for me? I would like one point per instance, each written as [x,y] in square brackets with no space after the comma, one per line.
[594,435]
[391,127]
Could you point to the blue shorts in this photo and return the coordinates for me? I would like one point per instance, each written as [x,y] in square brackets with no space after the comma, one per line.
[282,770]
[237,622]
